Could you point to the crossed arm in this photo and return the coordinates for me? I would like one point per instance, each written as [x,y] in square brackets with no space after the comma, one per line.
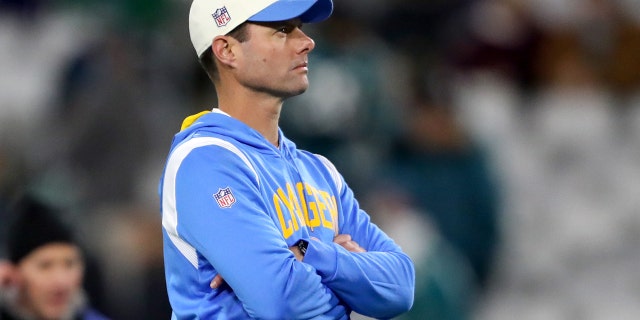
[361,269]
[343,240]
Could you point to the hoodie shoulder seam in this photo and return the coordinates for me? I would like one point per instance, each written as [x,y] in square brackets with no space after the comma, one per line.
[335,175]
[196,142]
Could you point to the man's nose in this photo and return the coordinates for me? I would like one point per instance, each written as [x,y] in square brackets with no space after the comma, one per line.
[307,42]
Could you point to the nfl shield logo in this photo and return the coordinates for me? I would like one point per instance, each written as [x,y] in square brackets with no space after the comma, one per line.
[221,16]
[224,197]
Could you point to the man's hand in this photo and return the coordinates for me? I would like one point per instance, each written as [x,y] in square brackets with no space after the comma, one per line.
[218,280]
[342,239]
[346,242]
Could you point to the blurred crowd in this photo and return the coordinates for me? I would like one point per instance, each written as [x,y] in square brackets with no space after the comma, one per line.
[495,140]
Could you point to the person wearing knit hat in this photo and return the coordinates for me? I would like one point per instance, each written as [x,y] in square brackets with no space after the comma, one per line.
[42,280]
[34,225]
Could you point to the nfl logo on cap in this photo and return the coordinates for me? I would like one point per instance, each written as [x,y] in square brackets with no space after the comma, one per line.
[224,197]
[222,17]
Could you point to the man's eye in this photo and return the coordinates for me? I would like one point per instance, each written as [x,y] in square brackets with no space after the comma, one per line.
[285,29]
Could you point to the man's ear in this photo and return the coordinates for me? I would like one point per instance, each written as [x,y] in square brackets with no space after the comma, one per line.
[221,48]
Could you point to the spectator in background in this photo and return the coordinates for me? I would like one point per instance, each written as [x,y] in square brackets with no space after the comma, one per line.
[445,284]
[42,280]
[448,178]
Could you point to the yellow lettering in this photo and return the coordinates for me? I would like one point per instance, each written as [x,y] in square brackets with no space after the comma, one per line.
[325,206]
[334,212]
[315,222]
[287,229]
[303,202]
[287,202]
[323,211]
[296,205]
[333,209]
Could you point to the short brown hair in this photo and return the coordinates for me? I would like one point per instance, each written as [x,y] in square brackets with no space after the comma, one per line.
[207,61]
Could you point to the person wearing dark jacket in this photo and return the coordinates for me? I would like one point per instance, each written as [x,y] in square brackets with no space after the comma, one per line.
[43,276]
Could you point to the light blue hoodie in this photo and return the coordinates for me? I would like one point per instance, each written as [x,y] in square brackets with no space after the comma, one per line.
[232,203]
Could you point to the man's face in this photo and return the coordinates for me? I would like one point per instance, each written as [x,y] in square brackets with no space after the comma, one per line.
[51,278]
[274,58]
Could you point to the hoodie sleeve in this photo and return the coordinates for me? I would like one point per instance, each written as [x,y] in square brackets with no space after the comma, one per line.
[378,283]
[241,242]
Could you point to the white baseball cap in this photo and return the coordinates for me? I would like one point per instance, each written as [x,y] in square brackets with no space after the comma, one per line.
[211,18]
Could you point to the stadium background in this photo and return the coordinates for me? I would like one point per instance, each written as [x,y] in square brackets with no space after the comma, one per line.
[496,140]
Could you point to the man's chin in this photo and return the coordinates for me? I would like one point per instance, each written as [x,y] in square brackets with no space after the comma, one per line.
[299,92]
[293,93]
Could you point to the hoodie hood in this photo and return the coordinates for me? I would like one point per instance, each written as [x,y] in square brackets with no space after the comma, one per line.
[217,122]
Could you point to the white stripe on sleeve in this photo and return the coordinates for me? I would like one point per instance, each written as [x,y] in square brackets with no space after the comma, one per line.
[169,212]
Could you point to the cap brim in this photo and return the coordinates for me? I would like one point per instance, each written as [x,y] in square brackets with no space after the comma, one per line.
[307,10]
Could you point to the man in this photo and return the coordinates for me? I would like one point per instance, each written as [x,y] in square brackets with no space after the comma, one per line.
[276,228]
[43,278]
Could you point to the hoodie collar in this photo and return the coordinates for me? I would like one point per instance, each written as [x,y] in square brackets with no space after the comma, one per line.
[220,122]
